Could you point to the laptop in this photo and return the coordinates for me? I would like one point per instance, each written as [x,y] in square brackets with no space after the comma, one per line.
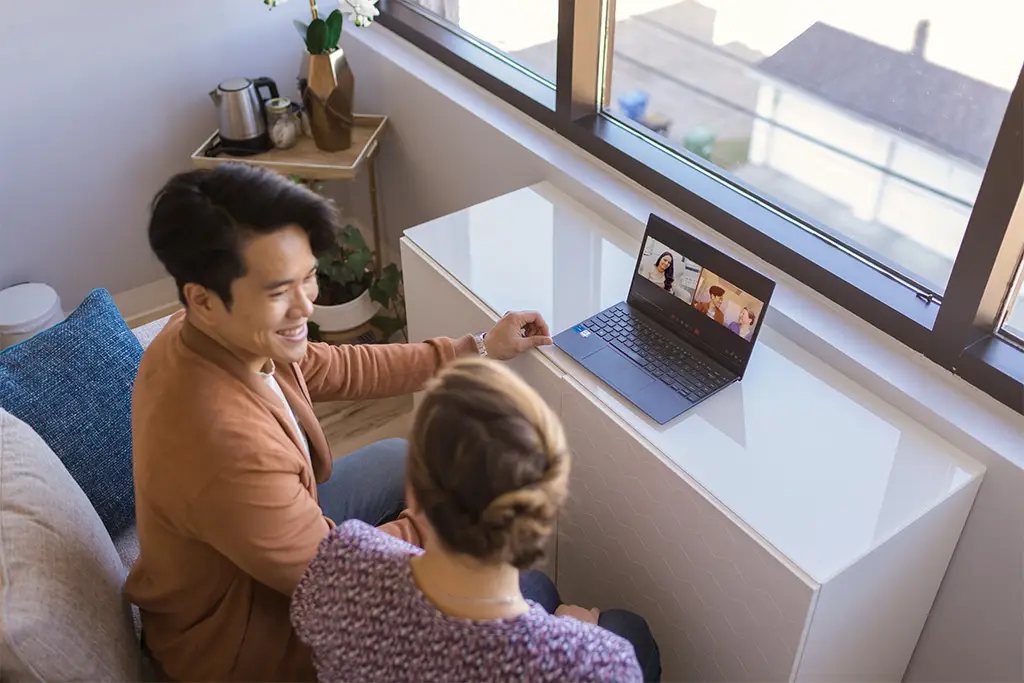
[685,331]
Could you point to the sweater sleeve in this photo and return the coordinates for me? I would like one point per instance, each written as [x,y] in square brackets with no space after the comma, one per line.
[352,372]
[263,521]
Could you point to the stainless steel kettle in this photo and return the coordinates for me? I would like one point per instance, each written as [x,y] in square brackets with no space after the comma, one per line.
[243,114]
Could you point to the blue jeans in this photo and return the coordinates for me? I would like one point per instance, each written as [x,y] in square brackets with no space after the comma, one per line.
[369,485]
[632,627]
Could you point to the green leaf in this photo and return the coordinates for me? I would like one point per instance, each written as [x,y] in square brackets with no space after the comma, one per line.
[316,37]
[382,298]
[352,238]
[357,262]
[336,272]
[389,280]
[314,330]
[334,24]
[301,28]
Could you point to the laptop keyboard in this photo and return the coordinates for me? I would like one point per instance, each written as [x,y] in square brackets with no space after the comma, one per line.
[687,373]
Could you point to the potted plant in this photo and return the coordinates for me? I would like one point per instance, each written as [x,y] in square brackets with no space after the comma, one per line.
[352,294]
[328,90]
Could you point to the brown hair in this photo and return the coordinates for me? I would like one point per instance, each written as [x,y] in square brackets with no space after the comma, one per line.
[488,463]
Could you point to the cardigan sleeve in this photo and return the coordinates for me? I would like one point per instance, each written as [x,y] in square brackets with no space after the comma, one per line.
[353,372]
[263,520]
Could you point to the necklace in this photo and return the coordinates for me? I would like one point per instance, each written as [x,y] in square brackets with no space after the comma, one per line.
[503,600]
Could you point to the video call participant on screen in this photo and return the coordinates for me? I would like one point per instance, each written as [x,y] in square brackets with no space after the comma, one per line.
[744,327]
[713,308]
[663,272]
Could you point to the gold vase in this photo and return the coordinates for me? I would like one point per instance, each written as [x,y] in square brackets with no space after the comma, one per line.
[328,100]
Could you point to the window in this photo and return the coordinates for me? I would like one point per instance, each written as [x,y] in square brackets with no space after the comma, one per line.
[873,120]
[1014,324]
[871,150]
[524,30]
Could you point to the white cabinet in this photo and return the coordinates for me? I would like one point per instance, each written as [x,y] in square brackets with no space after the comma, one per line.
[793,527]
[637,533]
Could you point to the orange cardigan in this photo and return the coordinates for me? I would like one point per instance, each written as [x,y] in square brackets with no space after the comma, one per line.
[226,500]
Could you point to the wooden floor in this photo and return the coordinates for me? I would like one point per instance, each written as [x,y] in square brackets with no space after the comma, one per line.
[350,425]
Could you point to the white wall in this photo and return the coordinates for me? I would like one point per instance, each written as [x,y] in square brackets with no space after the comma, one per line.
[436,157]
[441,156]
[102,104]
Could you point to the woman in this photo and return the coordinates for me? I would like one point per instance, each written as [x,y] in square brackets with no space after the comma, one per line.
[487,473]
[744,327]
[663,273]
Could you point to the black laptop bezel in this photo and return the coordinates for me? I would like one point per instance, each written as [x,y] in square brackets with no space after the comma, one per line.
[717,341]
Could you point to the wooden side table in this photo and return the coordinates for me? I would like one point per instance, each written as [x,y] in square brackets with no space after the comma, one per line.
[309,163]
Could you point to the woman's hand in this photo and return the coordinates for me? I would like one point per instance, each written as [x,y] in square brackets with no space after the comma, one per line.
[516,332]
[576,612]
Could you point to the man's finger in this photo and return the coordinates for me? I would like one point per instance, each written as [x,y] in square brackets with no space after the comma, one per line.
[540,326]
[536,320]
[532,342]
[525,318]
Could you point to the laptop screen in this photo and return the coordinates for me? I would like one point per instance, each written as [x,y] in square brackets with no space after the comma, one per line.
[712,300]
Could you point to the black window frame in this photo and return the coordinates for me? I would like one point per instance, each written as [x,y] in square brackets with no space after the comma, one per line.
[958,332]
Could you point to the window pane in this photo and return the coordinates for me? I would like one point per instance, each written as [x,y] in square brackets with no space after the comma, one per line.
[1015,320]
[875,119]
[526,30]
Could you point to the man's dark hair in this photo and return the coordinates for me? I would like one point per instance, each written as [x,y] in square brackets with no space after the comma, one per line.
[201,220]
[716,291]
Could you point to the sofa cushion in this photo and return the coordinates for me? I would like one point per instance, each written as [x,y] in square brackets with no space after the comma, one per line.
[148,332]
[62,613]
[73,384]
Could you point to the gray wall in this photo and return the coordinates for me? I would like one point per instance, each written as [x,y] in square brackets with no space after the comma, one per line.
[99,115]
[440,157]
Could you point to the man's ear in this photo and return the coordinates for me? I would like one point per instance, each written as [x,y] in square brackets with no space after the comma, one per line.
[201,302]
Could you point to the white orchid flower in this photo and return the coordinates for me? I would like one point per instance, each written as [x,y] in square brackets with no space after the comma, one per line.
[361,12]
[274,3]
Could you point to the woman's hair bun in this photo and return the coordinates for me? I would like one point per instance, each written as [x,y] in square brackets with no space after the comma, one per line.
[488,463]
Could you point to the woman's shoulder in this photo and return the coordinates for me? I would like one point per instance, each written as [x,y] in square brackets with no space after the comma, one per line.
[354,548]
[354,536]
[596,654]
[354,564]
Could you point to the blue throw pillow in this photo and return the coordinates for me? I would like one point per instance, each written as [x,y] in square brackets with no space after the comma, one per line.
[73,385]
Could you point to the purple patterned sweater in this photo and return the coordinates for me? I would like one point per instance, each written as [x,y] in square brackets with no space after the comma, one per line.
[361,612]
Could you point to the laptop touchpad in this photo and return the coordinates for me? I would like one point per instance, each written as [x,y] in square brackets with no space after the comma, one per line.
[617,371]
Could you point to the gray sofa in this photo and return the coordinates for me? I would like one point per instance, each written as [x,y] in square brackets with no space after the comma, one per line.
[63,616]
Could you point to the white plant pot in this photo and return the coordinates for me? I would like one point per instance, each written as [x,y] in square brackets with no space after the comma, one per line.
[345,316]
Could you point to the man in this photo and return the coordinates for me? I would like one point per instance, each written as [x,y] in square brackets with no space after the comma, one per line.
[713,308]
[234,479]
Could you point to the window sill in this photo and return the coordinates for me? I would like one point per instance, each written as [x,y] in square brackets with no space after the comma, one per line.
[998,364]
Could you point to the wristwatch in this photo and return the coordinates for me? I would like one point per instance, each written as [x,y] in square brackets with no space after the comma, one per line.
[480,346]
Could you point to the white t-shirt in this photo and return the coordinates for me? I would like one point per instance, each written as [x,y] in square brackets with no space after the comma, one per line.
[268,377]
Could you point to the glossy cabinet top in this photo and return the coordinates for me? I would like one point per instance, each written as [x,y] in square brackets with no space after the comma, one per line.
[823,469]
